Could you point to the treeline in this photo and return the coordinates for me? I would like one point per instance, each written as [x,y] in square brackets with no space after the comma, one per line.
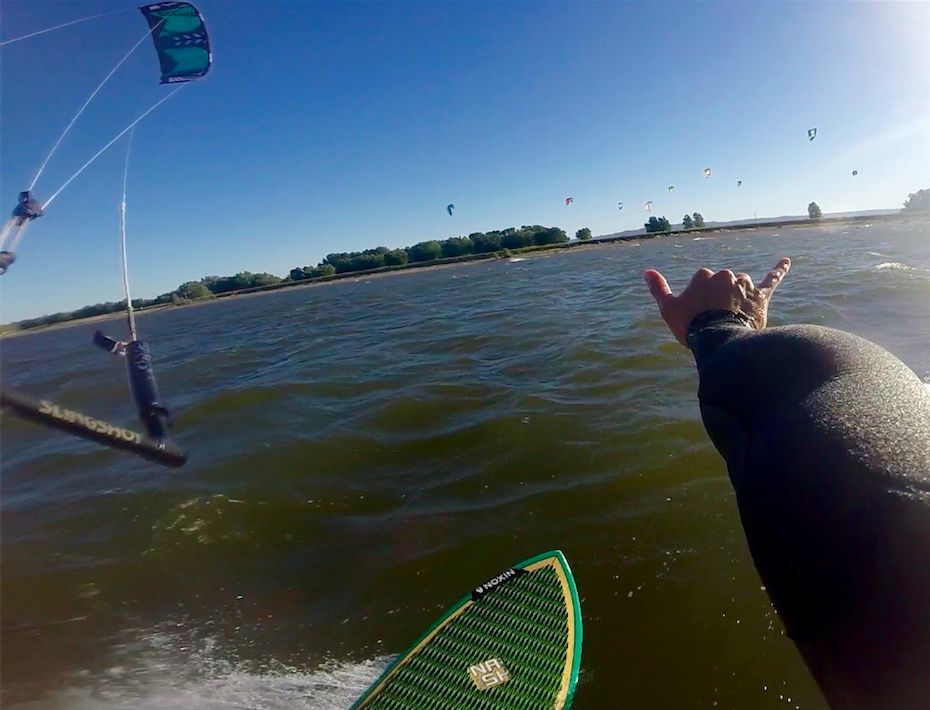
[340,263]
[475,243]
[208,287]
[661,224]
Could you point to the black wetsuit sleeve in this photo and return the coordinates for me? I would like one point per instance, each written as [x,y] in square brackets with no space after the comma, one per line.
[826,437]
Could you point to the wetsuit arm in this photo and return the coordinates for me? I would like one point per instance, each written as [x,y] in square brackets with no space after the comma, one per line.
[827,442]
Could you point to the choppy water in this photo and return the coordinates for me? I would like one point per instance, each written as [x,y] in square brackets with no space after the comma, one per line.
[364,452]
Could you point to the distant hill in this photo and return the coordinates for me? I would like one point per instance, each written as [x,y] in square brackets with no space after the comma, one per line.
[760,221]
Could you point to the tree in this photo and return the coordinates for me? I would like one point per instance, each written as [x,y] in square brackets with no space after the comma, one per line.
[531,234]
[209,281]
[368,259]
[698,220]
[553,235]
[425,251]
[583,235]
[813,211]
[193,291]
[656,224]
[345,262]
[918,202]
[224,284]
[396,257]
[687,222]
[517,239]
[242,280]
[339,261]
[98,309]
[263,279]
[457,246]
[485,243]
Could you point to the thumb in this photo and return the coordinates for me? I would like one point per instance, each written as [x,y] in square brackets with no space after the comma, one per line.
[658,287]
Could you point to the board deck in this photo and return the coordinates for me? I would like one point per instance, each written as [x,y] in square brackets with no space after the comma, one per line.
[514,642]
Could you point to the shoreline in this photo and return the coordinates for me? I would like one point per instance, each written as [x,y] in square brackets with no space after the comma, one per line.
[251,293]
[525,253]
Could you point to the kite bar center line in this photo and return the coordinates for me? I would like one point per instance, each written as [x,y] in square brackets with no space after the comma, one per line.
[130,315]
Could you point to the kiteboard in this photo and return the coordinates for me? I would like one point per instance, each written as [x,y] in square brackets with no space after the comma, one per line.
[513,642]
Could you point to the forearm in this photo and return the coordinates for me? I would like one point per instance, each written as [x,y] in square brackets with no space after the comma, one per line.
[827,443]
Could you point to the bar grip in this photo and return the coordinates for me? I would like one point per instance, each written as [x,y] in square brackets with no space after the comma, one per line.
[49,414]
[152,413]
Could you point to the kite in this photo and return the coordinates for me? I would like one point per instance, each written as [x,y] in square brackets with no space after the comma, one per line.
[648,206]
[183,50]
[707,172]
[671,189]
[811,134]
[180,39]
[449,209]
[739,183]
[855,172]
[619,205]
[569,200]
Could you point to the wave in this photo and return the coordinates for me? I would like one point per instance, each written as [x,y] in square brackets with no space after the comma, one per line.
[893,265]
[912,273]
[159,671]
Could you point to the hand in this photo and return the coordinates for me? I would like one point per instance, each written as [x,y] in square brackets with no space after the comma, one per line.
[709,291]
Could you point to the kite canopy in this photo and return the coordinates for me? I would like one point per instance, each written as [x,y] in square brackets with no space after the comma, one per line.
[707,172]
[180,39]
[855,172]
[569,200]
[449,209]
[671,189]
[739,183]
[619,205]
[648,206]
[811,134]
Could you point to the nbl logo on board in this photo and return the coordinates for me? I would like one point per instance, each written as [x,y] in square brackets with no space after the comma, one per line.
[496,582]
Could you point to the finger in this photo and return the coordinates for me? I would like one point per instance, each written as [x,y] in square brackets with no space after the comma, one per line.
[725,275]
[658,287]
[776,275]
[745,280]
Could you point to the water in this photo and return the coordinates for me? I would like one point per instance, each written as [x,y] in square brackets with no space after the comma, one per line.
[362,453]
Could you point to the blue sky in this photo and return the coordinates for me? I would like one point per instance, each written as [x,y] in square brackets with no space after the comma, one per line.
[332,126]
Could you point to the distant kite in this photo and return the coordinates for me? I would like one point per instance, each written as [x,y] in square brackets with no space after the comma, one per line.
[449,209]
[707,172]
[855,172]
[811,134]
[569,200]
[671,189]
[739,183]
[648,206]
[619,205]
